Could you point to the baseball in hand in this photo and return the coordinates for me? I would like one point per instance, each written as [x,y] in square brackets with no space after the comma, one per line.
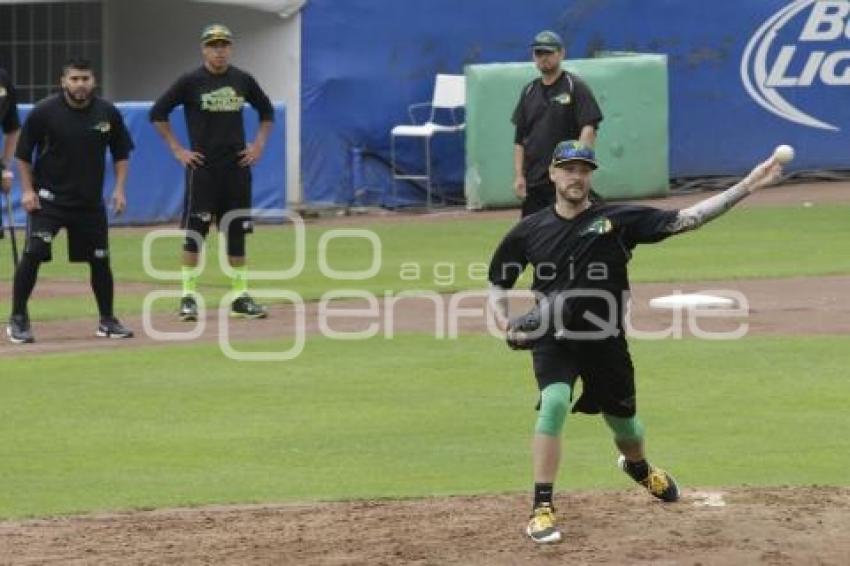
[783,153]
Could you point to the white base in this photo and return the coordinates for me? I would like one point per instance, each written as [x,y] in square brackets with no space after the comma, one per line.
[691,300]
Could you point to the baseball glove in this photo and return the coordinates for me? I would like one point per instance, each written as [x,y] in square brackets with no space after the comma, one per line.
[524,331]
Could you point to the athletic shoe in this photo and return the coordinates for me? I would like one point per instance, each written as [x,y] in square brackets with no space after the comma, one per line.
[18,330]
[659,483]
[245,307]
[111,327]
[541,529]
[188,309]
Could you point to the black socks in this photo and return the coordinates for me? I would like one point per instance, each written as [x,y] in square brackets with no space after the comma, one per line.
[543,495]
[638,471]
[25,277]
[102,286]
[27,273]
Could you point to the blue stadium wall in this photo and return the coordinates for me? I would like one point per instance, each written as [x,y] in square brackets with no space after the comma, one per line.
[744,76]
[156,180]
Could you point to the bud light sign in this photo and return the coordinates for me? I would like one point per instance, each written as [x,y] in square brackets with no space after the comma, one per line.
[797,64]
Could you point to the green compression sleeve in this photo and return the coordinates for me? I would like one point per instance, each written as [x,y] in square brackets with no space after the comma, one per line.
[554,405]
[628,430]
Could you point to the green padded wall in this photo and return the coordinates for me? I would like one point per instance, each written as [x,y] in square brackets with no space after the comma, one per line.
[632,147]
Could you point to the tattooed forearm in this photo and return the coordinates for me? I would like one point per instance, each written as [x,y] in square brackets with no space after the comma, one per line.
[707,210]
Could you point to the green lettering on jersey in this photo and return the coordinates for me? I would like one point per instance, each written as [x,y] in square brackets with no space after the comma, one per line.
[599,226]
[102,127]
[224,99]
[563,98]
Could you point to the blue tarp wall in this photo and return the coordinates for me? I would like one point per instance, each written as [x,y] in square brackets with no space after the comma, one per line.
[156,179]
[364,61]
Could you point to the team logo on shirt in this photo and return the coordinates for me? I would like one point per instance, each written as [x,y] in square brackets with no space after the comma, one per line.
[563,98]
[224,99]
[102,127]
[598,226]
[45,237]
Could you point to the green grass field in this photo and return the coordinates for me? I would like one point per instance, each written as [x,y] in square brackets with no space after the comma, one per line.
[740,245]
[182,425]
[407,417]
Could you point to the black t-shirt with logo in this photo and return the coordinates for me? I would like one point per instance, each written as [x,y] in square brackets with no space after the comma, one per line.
[588,252]
[546,115]
[213,106]
[70,149]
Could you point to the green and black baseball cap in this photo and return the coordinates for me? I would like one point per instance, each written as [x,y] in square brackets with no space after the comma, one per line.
[216,32]
[573,150]
[547,40]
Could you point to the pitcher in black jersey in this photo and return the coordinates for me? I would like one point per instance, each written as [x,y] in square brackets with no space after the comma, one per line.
[218,161]
[61,156]
[579,250]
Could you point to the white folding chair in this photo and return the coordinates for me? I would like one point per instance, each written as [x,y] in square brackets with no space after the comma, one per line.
[449,94]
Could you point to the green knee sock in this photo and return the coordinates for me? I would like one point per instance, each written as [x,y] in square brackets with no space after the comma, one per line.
[554,405]
[625,429]
[190,281]
[240,280]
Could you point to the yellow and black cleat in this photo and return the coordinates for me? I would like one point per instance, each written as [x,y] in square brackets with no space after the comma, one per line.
[541,528]
[657,482]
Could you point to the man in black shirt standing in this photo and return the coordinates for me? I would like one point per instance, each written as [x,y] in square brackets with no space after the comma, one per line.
[11,125]
[218,162]
[579,250]
[69,134]
[554,107]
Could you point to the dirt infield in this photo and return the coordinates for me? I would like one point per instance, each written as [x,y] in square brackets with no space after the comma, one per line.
[730,527]
[775,306]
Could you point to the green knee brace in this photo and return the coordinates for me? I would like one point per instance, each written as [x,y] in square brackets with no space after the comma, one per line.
[626,430]
[554,405]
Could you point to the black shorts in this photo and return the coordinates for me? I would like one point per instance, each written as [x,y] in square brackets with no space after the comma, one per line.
[605,367]
[88,232]
[217,190]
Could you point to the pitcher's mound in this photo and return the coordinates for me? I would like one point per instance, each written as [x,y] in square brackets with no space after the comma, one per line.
[711,526]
